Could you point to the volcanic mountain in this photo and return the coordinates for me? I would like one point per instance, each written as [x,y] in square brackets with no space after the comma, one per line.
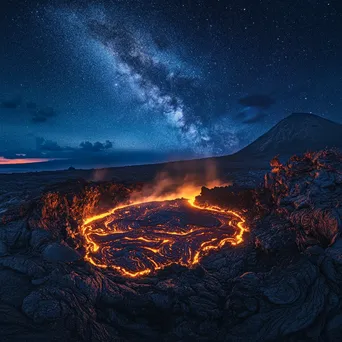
[298,133]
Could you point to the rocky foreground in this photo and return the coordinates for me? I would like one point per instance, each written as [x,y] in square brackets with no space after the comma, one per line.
[282,283]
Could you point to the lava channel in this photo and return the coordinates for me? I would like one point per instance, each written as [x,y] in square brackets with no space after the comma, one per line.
[140,238]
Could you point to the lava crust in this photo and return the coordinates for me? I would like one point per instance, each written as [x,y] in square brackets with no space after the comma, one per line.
[138,239]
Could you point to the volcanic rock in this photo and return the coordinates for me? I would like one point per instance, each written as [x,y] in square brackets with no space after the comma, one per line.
[56,252]
[306,192]
[39,237]
[282,283]
[3,249]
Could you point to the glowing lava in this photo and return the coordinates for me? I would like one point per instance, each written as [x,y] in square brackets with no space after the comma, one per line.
[142,237]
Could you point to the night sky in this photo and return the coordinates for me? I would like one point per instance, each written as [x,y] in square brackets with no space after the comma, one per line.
[143,81]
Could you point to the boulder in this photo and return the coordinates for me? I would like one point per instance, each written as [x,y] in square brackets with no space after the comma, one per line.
[56,252]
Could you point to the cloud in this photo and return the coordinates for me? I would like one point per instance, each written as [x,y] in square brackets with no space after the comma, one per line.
[50,145]
[37,114]
[13,103]
[42,115]
[38,119]
[95,147]
[45,145]
[255,107]
[260,101]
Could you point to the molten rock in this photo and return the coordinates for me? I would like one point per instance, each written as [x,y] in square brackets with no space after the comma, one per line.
[138,239]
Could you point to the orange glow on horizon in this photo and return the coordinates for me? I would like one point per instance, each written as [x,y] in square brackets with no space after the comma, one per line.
[20,161]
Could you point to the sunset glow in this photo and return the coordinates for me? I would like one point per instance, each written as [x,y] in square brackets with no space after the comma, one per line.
[17,161]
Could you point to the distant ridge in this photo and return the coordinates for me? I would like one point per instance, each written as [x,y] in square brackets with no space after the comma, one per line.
[297,133]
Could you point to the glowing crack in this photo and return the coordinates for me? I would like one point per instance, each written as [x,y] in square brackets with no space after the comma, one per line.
[143,237]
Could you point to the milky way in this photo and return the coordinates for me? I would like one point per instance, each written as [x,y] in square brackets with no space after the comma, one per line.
[168,79]
[163,84]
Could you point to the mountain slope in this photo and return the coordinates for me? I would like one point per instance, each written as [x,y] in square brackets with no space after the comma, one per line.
[298,133]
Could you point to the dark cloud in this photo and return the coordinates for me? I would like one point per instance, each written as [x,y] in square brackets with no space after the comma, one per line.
[254,108]
[37,114]
[50,145]
[12,103]
[42,115]
[38,119]
[258,100]
[45,145]
[95,147]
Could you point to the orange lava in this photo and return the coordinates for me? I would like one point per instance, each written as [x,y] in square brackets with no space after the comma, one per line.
[166,243]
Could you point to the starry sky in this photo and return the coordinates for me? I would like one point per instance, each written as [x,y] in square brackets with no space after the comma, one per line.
[118,82]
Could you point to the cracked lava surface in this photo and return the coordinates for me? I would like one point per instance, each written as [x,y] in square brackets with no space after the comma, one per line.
[143,237]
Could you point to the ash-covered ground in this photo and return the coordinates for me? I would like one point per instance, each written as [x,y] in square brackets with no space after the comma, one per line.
[283,282]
